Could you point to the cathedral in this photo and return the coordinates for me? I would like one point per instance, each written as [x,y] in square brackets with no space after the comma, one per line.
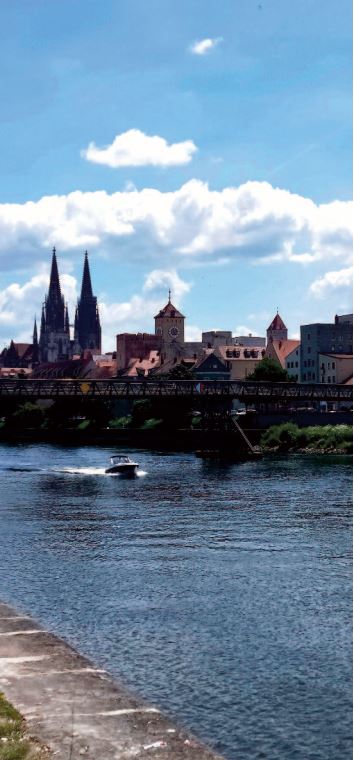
[54,342]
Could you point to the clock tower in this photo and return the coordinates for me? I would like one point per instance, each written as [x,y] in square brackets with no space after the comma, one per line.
[169,324]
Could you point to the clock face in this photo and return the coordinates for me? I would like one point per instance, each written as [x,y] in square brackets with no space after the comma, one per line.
[173,331]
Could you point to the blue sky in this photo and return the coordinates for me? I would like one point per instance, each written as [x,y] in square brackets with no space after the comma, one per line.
[254,217]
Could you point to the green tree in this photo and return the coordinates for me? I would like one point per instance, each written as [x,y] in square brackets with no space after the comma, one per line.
[27,415]
[180,372]
[269,370]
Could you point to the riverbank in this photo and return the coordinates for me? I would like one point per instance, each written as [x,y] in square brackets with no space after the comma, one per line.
[15,744]
[290,439]
[75,708]
[285,438]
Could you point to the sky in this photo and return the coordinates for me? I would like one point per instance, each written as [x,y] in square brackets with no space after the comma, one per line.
[195,145]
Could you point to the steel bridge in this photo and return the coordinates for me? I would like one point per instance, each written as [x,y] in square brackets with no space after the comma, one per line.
[116,388]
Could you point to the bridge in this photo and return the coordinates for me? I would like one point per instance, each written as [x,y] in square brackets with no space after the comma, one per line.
[116,388]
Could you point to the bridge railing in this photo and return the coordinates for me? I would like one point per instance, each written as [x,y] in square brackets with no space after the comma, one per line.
[117,388]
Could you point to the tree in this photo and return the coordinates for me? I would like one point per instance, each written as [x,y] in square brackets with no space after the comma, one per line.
[28,415]
[269,370]
[180,372]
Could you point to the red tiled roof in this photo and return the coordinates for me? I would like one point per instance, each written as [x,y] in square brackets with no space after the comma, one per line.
[169,311]
[277,323]
[142,366]
[281,349]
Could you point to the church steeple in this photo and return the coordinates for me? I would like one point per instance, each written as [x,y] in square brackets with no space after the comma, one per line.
[35,346]
[54,282]
[86,287]
[35,333]
[67,325]
[87,331]
[54,341]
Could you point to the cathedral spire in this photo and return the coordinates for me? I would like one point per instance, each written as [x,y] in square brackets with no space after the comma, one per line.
[86,287]
[66,323]
[87,328]
[54,283]
[35,346]
[35,332]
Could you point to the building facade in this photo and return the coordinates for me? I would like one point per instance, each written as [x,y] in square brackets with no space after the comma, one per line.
[322,338]
[335,368]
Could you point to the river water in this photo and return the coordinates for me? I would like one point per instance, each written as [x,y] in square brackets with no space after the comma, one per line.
[221,593]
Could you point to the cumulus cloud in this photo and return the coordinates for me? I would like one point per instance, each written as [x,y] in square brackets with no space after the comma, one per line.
[20,303]
[254,220]
[134,148]
[341,278]
[202,47]
[192,333]
[162,280]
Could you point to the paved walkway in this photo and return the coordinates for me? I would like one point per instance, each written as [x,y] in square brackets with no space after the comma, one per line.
[76,709]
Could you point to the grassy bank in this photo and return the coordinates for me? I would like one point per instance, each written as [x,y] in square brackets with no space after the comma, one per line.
[14,744]
[326,439]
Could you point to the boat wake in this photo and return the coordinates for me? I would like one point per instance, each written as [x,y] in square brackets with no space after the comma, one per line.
[83,470]
[97,471]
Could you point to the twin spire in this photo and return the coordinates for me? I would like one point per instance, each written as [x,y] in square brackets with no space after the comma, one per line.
[55,324]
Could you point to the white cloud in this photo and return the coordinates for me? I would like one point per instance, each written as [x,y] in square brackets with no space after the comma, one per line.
[254,220]
[134,148]
[243,330]
[201,47]
[162,280]
[341,278]
[192,333]
[20,303]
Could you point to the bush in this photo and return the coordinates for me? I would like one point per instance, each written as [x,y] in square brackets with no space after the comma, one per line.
[84,425]
[152,423]
[120,422]
[27,416]
[318,438]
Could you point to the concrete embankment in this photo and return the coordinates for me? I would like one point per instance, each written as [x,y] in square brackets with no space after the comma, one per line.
[77,709]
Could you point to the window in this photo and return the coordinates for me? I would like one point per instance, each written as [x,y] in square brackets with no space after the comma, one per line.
[328,379]
[308,349]
[296,363]
[333,379]
[308,336]
[305,363]
[328,365]
[333,365]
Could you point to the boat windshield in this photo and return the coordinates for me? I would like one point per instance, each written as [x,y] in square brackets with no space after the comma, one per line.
[120,458]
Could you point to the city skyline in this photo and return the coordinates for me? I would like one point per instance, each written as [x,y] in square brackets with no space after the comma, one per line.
[213,160]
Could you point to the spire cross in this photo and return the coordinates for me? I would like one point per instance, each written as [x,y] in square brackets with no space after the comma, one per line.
[54,250]
[169,296]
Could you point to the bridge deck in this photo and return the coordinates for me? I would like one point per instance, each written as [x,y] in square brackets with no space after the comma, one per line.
[122,389]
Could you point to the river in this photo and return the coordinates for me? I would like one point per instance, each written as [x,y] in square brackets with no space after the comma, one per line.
[221,593]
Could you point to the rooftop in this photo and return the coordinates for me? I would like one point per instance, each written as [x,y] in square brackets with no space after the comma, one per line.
[169,310]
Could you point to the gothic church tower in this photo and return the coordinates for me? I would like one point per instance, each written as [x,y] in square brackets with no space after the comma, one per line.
[87,333]
[54,340]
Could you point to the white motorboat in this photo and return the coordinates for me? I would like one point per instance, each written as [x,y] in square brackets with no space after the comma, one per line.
[121,463]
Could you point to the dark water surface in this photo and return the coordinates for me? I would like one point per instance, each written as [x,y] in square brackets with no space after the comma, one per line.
[220,593]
